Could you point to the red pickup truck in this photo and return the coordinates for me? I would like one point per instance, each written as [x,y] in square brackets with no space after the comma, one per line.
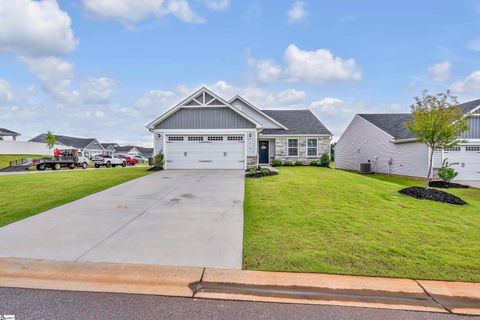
[130,161]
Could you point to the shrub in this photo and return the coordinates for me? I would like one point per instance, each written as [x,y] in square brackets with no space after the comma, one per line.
[288,163]
[252,171]
[265,171]
[276,163]
[325,160]
[447,173]
[299,163]
[159,160]
[314,163]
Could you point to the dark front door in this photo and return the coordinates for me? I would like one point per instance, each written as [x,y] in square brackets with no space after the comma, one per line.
[263,152]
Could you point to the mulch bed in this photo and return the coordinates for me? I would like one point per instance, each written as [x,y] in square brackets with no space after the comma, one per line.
[260,175]
[447,185]
[155,169]
[432,194]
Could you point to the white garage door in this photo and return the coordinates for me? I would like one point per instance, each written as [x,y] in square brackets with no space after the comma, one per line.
[466,160]
[205,152]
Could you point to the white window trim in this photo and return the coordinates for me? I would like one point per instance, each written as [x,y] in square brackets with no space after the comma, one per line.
[307,147]
[298,148]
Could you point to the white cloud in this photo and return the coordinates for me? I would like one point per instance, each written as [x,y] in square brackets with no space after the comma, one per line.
[55,74]
[266,70]
[318,66]
[328,104]
[35,28]
[130,12]
[291,96]
[474,44]
[95,114]
[217,5]
[440,72]
[297,12]
[470,85]
[97,90]
[5,91]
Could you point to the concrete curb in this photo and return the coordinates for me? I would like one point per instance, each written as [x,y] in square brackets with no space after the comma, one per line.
[282,287]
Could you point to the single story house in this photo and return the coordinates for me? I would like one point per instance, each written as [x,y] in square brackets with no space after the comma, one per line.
[145,152]
[88,147]
[204,131]
[385,142]
[130,151]
[8,133]
[109,148]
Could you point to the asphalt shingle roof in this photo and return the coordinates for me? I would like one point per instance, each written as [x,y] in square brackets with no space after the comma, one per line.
[469,106]
[297,122]
[8,132]
[75,142]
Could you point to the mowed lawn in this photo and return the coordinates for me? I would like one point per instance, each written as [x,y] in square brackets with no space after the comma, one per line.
[311,219]
[6,158]
[24,195]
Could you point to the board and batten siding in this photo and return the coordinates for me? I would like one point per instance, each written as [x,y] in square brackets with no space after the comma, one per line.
[362,141]
[205,118]
[474,131]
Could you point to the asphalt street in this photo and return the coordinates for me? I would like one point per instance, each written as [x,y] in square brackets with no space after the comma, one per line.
[35,304]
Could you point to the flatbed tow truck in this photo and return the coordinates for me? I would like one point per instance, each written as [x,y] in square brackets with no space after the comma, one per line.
[62,158]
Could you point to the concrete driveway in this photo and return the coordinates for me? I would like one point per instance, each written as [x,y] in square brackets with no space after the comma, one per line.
[184,218]
[471,183]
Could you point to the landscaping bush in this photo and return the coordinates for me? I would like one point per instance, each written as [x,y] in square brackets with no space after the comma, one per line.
[447,173]
[252,171]
[158,162]
[259,173]
[299,163]
[314,163]
[265,171]
[288,163]
[432,194]
[325,160]
[276,163]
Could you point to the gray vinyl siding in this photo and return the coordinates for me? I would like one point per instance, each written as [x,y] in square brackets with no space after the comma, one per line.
[474,131]
[362,141]
[94,146]
[205,118]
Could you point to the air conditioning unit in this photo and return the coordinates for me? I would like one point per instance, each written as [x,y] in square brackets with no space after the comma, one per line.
[366,167]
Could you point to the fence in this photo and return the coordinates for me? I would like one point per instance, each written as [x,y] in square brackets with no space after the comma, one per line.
[24,147]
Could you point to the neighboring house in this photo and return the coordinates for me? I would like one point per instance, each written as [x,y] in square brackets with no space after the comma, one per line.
[109,148]
[87,146]
[130,151]
[385,142]
[145,152]
[205,131]
[8,133]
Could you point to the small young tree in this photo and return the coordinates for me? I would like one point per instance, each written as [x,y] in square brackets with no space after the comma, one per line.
[50,140]
[159,160]
[447,173]
[437,121]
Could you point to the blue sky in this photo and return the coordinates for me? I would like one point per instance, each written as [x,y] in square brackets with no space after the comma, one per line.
[105,68]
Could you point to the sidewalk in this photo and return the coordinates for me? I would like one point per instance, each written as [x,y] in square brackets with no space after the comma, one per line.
[67,170]
[304,288]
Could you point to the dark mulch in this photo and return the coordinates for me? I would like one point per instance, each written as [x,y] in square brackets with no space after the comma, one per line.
[432,194]
[447,185]
[260,175]
[155,169]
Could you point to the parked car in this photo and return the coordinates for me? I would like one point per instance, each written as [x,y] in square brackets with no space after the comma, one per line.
[128,160]
[108,161]
[62,158]
[140,159]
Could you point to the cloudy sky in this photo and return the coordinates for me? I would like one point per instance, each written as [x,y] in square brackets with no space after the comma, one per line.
[105,68]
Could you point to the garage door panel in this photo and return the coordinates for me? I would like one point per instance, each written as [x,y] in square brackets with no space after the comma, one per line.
[223,154]
[466,161]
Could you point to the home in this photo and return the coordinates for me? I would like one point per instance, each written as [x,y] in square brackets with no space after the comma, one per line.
[204,131]
[145,152]
[130,151]
[87,146]
[109,148]
[8,133]
[383,141]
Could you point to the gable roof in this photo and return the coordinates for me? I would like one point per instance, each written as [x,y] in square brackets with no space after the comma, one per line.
[106,145]
[297,122]
[145,150]
[391,123]
[251,105]
[125,148]
[207,98]
[76,142]
[7,132]
[394,123]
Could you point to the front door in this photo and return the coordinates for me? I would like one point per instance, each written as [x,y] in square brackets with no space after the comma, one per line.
[263,152]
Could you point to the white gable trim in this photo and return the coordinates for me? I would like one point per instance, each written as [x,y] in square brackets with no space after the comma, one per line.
[474,109]
[94,140]
[180,105]
[251,105]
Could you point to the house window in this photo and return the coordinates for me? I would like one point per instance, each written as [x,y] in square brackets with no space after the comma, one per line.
[172,138]
[235,138]
[312,147]
[452,149]
[215,138]
[195,138]
[293,147]
[472,148]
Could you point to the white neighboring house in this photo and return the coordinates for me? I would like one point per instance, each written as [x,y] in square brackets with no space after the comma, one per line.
[204,131]
[8,133]
[383,140]
[130,151]
[88,147]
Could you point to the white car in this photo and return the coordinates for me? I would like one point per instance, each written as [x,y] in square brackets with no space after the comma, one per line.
[108,161]
[140,159]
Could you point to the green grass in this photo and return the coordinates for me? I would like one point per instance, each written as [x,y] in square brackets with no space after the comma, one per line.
[310,219]
[6,158]
[24,195]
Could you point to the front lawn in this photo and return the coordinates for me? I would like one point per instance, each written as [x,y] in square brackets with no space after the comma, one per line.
[310,219]
[24,195]
[6,158]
